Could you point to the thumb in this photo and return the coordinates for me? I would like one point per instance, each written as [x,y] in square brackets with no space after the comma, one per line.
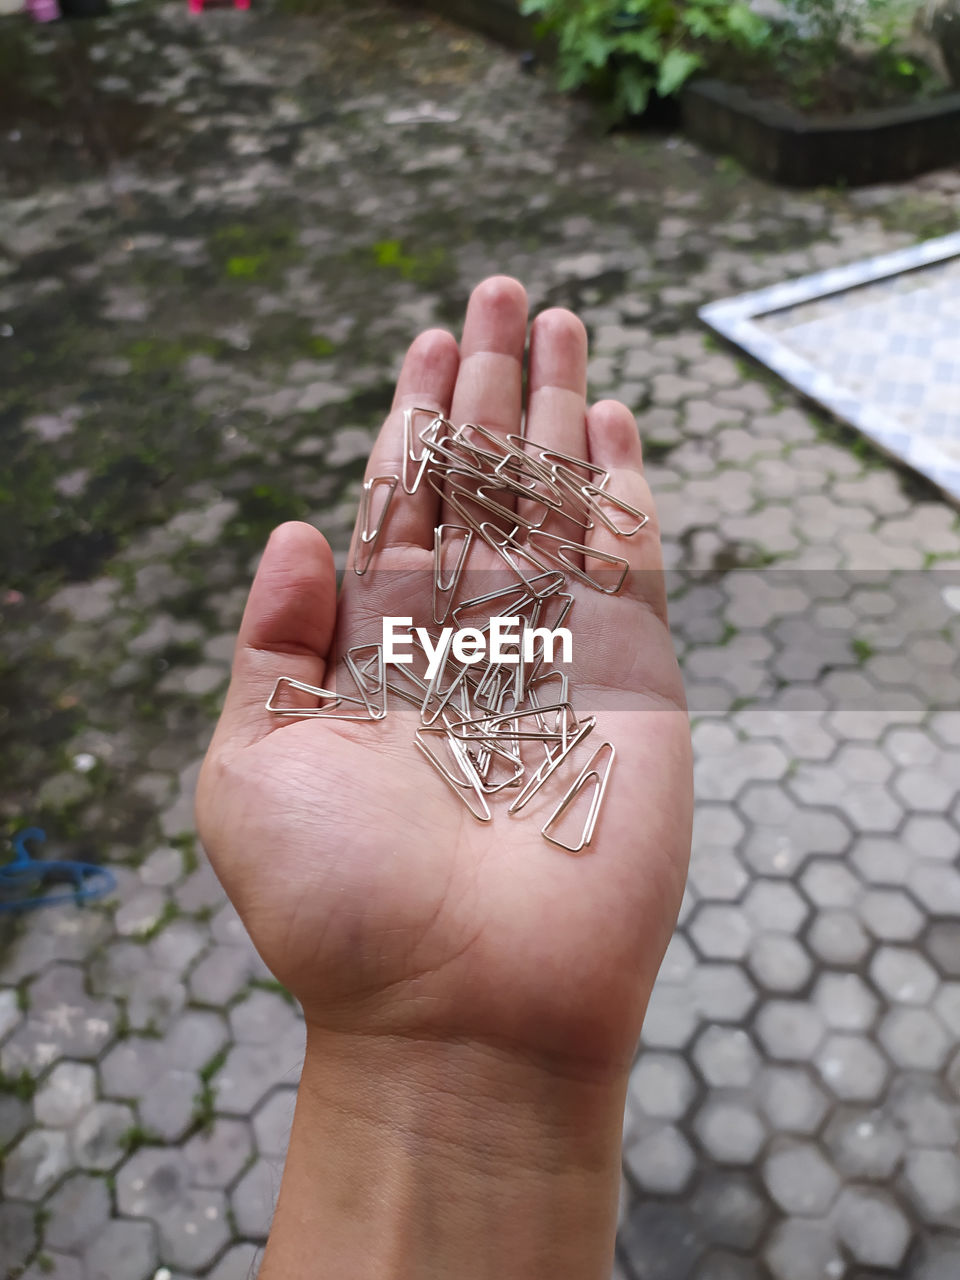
[287,630]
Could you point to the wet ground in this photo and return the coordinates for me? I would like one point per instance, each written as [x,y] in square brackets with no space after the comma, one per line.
[217,237]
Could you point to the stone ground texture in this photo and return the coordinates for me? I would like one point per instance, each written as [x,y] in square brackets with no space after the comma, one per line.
[216,239]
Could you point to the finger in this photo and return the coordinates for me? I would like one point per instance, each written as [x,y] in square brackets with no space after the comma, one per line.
[557,397]
[614,444]
[287,629]
[426,381]
[489,387]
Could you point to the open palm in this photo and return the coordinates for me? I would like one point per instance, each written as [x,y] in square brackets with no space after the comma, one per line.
[366,885]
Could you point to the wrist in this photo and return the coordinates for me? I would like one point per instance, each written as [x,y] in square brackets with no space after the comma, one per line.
[420,1158]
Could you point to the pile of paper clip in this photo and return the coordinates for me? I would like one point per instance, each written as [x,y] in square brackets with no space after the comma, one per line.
[481,722]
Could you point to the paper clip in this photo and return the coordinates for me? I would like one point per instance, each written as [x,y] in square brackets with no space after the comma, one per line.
[459,786]
[552,763]
[558,548]
[447,587]
[589,774]
[369,538]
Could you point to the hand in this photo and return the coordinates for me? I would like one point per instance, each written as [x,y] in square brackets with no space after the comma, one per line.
[366,886]
[371,893]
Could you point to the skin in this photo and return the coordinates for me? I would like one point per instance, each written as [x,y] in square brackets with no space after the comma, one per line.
[473,995]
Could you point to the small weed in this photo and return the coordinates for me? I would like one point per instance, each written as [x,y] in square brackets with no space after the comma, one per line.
[271,984]
[863,650]
[188,853]
[169,913]
[205,1100]
[137,1136]
[22,1086]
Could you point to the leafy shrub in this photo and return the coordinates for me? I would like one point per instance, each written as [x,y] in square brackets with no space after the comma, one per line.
[632,48]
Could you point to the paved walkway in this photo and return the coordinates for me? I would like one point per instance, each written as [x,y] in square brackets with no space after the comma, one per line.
[216,238]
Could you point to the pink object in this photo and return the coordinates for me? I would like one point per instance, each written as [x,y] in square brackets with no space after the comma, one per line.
[43,10]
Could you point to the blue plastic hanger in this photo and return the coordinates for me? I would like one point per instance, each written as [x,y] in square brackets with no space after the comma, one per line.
[89,881]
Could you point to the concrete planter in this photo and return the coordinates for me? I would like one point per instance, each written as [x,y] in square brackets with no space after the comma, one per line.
[809,151]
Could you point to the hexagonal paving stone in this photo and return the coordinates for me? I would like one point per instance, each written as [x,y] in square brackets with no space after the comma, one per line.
[864,1144]
[254,1197]
[871,1225]
[660,1160]
[130,1067]
[882,860]
[852,1068]
[194,1230]
[661,1085]
[220,975]
[37,1162]
[915,1038]
[890,915]
[779,962]
[266,1017]
[249,1073]
[790,1100]
[178,945]
[939,1260]
[151,1182]
[800,1179]
[932,1179]
[936,887]
[168,1107]
[828,883]
[63,1022]
[726,1057]
[154,1000]
[924,1110]
[18,1234]
[76,1211]
[942,945]
[194,1039]
[923,789]
[662,1240]
[64,1096]
[787,832]
[730,1209]
[845,1001]
[931,837]
[671,1018]
[730,1131]
[722,992]
[858,763]
[775,907]
[790,1029]
[720,932]
[215,1157]
[99,1141]
[903,975]
[800,1250]
[122,1251]
[947,1007]
[838,938]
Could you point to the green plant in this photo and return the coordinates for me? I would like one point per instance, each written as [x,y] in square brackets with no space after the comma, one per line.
[630,49]
[827,26]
